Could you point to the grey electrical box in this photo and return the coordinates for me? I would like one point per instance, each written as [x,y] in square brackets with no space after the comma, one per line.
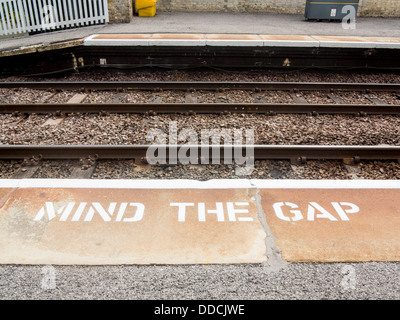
[330,9]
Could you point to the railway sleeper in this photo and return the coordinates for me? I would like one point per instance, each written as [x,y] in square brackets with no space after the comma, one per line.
[32,161]
[28,167]
[298,161]
[140,161]
[88,162]
[352,161]
[104,113]
[347,161]
[25,172]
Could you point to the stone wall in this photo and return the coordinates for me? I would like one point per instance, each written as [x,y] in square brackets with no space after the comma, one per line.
[279,6]
[121,11]
[388,8]
[385,8]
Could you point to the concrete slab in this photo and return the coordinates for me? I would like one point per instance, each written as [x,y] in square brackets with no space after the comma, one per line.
[251,40]
[358,42]
[117,40]
[77,98]
[93,222]
[131,36]
[233,40]
[336,222]
[177,42]
[289,41]
[385,42]
[384,39]
[23,46]
[52,122]
[339,38]
[178,36]
[41,223]
[343,42]
[177,39]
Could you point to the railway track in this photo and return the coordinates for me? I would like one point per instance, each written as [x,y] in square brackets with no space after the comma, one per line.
[260,152]
[85,157]
[297,154]
[191,106]
[200,85]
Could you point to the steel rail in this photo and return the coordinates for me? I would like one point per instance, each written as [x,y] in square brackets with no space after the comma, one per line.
[200,85]
[258,152]
[210,108]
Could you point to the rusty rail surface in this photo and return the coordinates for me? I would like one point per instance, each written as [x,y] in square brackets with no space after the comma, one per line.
[193,108]
[200,85]
[257,152]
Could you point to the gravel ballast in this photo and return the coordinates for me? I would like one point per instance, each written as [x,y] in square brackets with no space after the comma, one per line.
[126,129]
[262,75]
[294,281]
[265,169]
[136,129]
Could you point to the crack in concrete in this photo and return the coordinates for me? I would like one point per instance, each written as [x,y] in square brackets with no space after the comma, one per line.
[273,253]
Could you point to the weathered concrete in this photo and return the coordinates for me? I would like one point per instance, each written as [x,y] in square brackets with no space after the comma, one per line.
[268,222]
[248,40]
[320,234]
[80,226]
[41,47]
[181,22]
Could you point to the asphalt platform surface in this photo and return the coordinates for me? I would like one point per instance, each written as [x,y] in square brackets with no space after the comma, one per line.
[213,22]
